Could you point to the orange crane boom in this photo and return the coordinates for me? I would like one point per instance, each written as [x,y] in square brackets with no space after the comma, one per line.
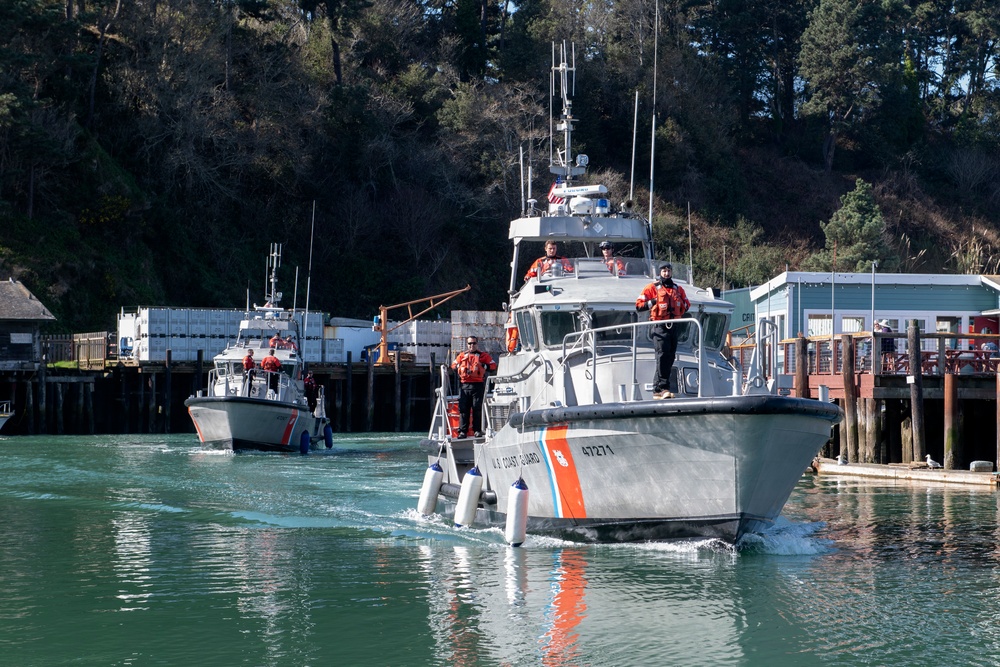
[382,324]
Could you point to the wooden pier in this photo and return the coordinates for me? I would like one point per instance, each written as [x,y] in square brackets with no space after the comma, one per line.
[948,409]
[103,395]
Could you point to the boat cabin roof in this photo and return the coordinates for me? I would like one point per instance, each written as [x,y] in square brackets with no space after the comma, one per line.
[616,227]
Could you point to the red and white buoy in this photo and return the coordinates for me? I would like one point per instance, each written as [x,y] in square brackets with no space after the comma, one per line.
[516,528]
[468,498]
[430,488]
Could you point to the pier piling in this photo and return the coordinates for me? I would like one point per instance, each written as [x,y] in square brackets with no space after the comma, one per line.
[915,380]
[951,421]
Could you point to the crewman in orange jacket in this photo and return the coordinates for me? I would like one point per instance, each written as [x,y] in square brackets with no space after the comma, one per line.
[472,366]
[249,370]
[665,300]
[550,260]
[273,364]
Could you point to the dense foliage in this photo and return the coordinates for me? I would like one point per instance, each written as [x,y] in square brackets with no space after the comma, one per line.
[151,150]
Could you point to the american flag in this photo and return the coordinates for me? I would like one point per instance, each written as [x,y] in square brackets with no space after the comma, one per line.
[553,198]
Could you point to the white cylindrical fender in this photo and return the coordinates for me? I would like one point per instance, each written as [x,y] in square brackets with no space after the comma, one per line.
[430,488]
[468,498]
[516,528]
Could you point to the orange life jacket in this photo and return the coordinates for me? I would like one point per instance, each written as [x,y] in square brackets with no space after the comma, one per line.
[270,363]
[671,302]
[248,363]
[470,367]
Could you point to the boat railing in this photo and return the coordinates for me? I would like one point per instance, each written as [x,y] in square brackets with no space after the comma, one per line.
[234,383]
[4,407]
[596,267]
[577,340]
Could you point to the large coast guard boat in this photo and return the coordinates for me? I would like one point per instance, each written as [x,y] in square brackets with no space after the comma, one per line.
[268,410]
[575,444]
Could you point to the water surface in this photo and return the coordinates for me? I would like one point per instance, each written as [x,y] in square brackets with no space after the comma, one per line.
[147,550]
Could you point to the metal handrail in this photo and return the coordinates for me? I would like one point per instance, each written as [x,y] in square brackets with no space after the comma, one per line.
[635,327]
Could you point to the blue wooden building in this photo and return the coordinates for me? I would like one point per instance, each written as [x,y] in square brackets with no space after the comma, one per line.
[816,304]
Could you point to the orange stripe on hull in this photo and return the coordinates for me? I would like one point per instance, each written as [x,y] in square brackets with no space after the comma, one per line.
[567,496]
[196,427]
[290,427]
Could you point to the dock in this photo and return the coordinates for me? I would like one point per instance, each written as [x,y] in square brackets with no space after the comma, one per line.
[899,472]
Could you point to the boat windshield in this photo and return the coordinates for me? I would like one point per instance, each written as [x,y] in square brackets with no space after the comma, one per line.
[556,325]
[260,338]
[713,326]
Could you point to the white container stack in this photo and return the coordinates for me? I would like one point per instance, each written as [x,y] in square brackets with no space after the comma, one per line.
[422,338]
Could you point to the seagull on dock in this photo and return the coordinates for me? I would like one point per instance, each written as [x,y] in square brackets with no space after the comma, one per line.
[931,463]
[842,460]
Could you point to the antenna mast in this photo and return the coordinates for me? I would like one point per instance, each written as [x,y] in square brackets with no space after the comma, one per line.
[561,162]
[274,261]
[652,146]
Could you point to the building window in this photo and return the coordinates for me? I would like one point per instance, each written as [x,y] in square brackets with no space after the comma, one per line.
[820,325]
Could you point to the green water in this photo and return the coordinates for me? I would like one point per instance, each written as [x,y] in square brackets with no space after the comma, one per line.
[146,550]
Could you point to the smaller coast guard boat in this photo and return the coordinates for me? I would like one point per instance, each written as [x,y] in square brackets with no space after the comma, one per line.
[577,444]
[266,410]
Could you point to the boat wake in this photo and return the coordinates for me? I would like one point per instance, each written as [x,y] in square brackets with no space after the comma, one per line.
[784,538]
[787,538]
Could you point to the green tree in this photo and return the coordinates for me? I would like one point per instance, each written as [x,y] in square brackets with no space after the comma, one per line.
[851,54]
[855,235]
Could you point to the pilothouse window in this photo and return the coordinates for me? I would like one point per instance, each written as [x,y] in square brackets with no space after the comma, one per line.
[526,330]
[613,318]
[556,325]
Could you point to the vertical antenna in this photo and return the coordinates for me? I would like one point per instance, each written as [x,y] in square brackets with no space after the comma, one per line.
[652,147]
[635,129]
[690,248]
[573,46]
[305,324]
[552,93]
[521,164]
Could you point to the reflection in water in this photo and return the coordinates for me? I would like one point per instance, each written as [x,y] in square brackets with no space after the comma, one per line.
[566,609]
[493,604]
[289,561]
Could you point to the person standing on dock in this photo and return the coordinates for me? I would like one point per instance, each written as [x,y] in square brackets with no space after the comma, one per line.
[272,365]
[665,300]
[472,366]
[615,264]
[887,347]
[249,370]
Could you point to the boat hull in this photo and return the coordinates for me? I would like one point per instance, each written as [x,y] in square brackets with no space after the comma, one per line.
[654,470]
[241,423]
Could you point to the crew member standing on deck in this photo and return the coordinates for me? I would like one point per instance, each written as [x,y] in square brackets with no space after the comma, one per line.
[309,384]
[249,370]
[665,300]
[472,366]
[271,364]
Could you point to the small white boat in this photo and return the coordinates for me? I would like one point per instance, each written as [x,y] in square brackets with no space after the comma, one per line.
[268,410]
[5,413]
[575,444]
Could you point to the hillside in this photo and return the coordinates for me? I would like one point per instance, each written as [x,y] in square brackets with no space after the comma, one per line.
[150,154]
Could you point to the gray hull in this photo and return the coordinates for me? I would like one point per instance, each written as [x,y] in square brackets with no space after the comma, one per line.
[655,469]
[240,423]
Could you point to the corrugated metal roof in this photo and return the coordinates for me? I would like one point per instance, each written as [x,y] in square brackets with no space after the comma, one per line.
[17,303]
